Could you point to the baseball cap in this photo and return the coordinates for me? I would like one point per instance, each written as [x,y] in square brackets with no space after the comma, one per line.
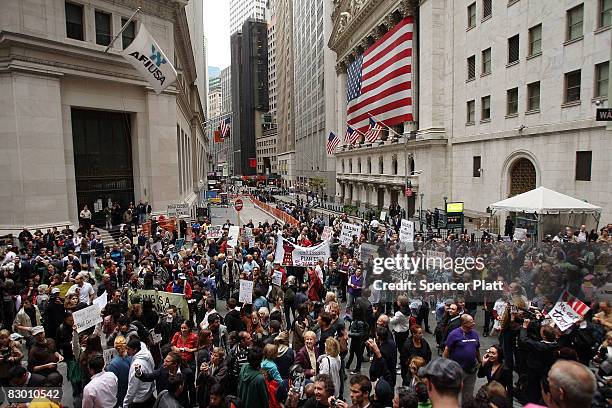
[182,276]
[37,330]
[15,336]
[55,290]
[445,371]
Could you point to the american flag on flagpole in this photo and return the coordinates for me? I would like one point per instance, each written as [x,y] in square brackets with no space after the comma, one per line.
[332,143]
[380,80]
[351,136]
[225,127]
[374,131]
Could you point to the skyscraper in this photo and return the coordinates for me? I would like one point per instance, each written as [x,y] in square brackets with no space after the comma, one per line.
[241,10]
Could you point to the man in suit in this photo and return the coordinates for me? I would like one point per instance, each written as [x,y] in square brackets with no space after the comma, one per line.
[170,366]
[20,377]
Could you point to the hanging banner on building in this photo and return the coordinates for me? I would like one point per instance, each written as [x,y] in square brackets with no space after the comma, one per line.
[162,301]
[347,233]
[145,55]
[327,233]
[406,231]
[290,254]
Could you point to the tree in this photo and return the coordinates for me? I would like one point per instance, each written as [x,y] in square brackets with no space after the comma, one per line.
[317,184]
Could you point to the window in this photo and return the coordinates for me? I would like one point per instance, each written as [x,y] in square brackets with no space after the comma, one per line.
[74,21]
[343,166]
[605,13]
[103,28]
[572,86]
[574,22]
[394,165]
[471,10]
[350,165]
[380,165]
[486,61]
[471,112]
[487,8]
[513,49]
[535,40]
[601,79]
[476,166]
[471,67]
[485,110]
[369,165]
[512,101]
[583,165]
[359,165]
[129,33]
[533,96]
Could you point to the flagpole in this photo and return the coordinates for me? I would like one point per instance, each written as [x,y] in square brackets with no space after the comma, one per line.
[122,29]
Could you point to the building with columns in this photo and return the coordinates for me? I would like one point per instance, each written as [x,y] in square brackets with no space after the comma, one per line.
[80,126]
[494,115]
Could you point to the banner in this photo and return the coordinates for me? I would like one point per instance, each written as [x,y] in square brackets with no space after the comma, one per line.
[218,138]
[347,233]
[290,254]
[328,232]
[162,301]
[232,236]
[214,232]
[368,252]
[246,291]
[63,287]
[145,55]
[86,318]
[406,231]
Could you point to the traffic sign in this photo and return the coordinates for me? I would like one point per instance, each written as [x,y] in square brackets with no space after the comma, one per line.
[238,204]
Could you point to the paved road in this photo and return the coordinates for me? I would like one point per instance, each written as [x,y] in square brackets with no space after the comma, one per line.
[248,212]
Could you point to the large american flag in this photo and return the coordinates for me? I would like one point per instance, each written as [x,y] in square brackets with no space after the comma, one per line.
[380,80]
[332,143]
[225,126]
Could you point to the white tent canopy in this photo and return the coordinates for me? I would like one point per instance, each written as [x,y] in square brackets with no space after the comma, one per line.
[545,201]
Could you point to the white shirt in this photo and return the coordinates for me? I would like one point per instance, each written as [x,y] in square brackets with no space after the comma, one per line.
[84,292]
[85,214]
[101,392]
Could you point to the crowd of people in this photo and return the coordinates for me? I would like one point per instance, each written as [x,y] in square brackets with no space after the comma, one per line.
[306,339]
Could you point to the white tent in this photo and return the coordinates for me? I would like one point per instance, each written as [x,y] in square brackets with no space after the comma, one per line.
[545,201]
[551,209]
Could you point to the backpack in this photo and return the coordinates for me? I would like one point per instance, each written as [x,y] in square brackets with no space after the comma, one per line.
[143,332]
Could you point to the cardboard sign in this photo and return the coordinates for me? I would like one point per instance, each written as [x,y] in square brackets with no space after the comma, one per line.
[178,210]
[520,234]
[109,354]
[214,232]
[101,301]
[563,315]
[163,300]
[277,278]
[232,236]
[246,291]
[248,233]
[328,232]
[406,231]
[86,318]
[383,215]
[347,233]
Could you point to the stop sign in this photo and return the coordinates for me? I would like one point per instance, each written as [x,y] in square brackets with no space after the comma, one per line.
[238,204]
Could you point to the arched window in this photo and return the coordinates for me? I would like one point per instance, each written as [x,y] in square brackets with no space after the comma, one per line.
[359,165]
[343,165]
[369,165]
[522,177]
[381,165]
[394,165]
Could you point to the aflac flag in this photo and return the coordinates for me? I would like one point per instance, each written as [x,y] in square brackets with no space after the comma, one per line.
[146,56]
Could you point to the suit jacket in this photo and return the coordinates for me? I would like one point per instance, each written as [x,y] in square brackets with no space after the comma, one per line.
[161,376]
[304,361]
[216,375]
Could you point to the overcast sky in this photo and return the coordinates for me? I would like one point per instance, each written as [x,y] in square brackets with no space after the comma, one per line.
[216,25]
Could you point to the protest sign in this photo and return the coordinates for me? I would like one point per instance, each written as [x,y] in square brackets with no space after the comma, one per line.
[520,234]
[86,318]
[563,315]
[214,232]
[347,233]
[156,247]
[277,278]
[406,231]
[328,232]
[383,215]
[248,233]
[246,291]
[178,245]
[162,301]
[109,354]
[290,254]
[232,236]
[101,301]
